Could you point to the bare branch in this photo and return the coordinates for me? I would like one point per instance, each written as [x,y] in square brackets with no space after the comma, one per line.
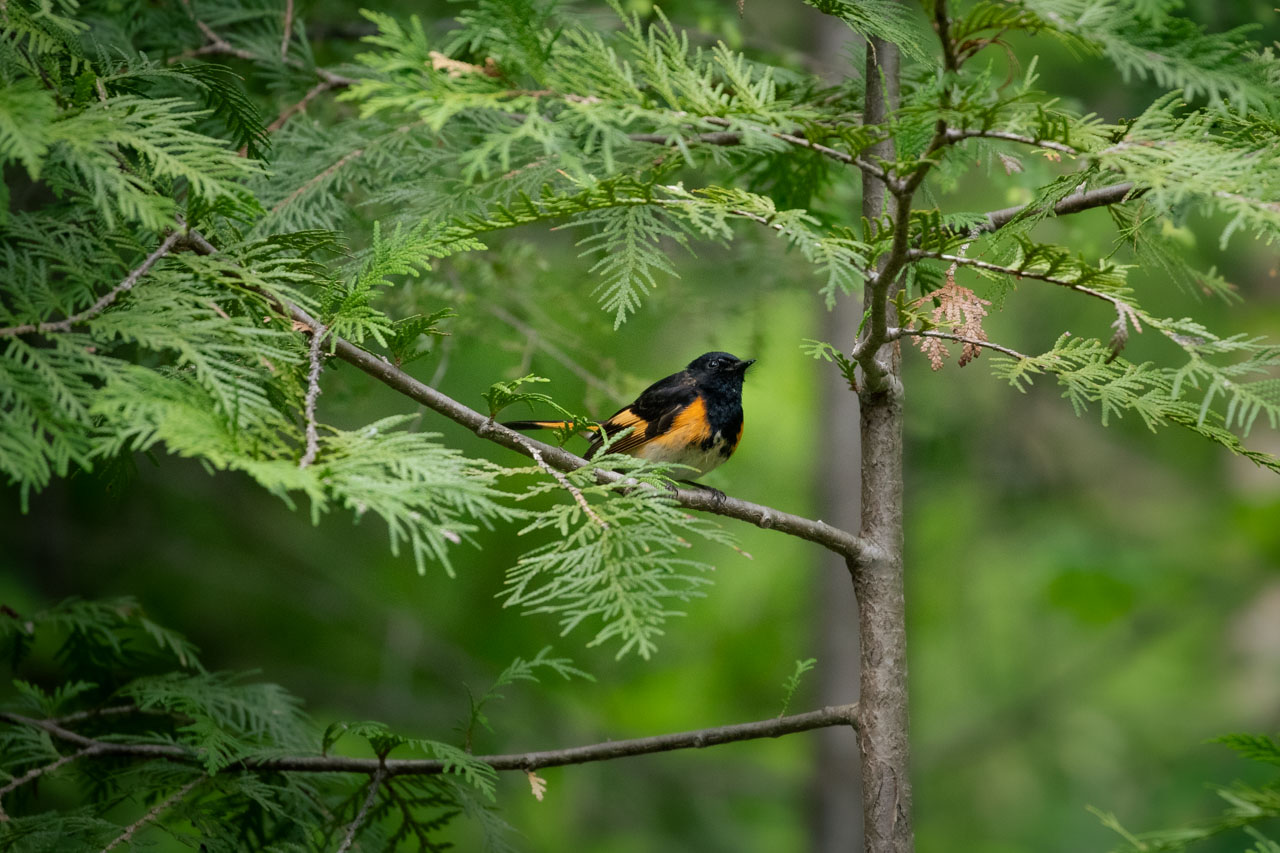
[954,135]
[732,137]
[1017,273]
[374,784]
[894,334]
[160,808]
[288,29]
[1075,203]
[837,715]
[36,772]
[104,301]
[100,747]
[289,111]
[313,394]
[569,487]
[942,26]
[342,161]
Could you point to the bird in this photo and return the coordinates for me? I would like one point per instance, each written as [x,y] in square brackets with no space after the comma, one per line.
[691,418]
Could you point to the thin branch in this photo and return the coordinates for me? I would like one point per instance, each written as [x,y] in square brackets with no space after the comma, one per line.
[1075,203]
[104,301]
[564,481]
[288,29]
[374,784]
[894,334]
[160,808]
[98,712]
[313,394]
[288,112]
[800,141]
[219,46]
[1017,273]
[942,26]
[346,158]
[954,135]
[837,715]
[101,747]
[36,772]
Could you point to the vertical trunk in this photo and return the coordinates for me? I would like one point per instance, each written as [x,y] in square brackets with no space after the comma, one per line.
[886,785]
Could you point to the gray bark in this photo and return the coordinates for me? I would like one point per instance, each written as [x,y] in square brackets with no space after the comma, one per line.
[877,578]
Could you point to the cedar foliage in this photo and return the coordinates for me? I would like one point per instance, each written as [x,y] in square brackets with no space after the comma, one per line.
[129,137]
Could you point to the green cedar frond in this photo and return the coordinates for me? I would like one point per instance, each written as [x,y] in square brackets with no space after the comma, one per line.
[430,496]
[225,96]
[1089,374]
[884,19]
[624,572]
[27,111]
[1225,68]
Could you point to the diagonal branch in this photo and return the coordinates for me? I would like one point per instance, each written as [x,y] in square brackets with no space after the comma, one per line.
[374,784]
[955,135]
[104,302]
[1074,203]
[569,487]
[160,808]
[837,715]
[36,772]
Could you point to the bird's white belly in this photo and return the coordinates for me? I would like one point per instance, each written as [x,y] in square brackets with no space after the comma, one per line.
[692,455]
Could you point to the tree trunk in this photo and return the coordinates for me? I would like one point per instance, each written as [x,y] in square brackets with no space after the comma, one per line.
[878,582]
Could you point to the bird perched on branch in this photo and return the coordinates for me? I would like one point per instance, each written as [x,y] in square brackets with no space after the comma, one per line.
[692,418]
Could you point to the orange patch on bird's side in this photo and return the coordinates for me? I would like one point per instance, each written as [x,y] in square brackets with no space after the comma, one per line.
[689,427]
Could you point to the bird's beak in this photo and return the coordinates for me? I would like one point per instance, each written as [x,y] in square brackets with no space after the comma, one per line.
[743,365]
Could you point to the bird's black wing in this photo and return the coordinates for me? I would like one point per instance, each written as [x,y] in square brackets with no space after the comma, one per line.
[650,415]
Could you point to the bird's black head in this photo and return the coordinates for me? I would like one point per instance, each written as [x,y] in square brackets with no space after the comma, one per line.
[719,367]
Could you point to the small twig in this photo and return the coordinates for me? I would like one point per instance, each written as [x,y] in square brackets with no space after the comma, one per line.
[894,334]
[374,784]
[160,808]
[346,158]
[1017,273]
[569,487]
[730,138]
[942,25]
[318,335]
[288,29]
[37,772]
[97,712]
[288,112]
[955,135]
[104,301]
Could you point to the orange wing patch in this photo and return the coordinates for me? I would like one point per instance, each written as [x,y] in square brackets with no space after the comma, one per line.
[616,424]
[690,427]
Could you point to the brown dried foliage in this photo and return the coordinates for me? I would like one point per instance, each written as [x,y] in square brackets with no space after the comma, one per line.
[962,310]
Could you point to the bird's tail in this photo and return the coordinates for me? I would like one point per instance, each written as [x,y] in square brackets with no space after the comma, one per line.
[526,425]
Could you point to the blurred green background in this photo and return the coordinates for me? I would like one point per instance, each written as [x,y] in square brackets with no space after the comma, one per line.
[1087,606]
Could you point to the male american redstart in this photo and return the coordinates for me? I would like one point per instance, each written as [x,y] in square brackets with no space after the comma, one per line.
[692,418]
